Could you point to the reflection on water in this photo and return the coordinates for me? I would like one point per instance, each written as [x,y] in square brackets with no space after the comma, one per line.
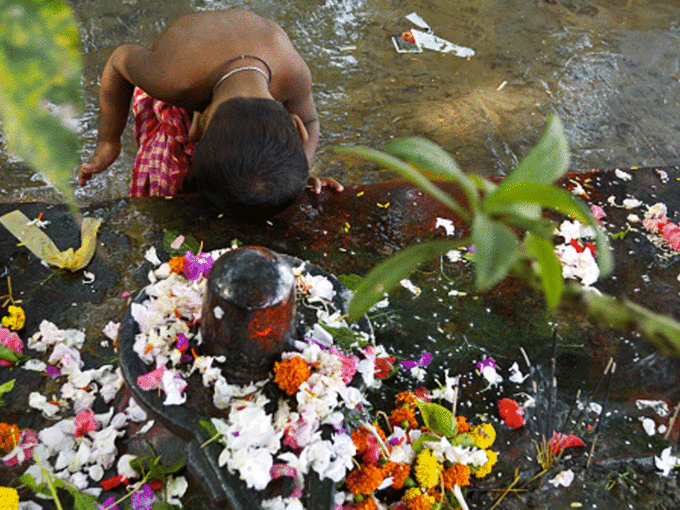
[610,70]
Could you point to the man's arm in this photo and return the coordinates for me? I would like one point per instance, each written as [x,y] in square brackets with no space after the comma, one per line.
[115,93]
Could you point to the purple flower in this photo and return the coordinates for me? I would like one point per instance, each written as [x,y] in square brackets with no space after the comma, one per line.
[197,266]
[109,504]
[422,362]
[53,371]
[182,342]
[144,498]
[488,362]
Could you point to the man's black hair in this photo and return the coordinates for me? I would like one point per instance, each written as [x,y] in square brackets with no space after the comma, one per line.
[250,161]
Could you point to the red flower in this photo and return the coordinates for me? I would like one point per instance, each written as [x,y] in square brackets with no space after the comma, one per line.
[561,441]
[422,393]
[383,366]
[511,412]
[581,248]
[112,482]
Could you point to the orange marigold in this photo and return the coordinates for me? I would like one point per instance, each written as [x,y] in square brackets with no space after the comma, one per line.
[398,471]
[177,264]
[9,436]
[404,414]
[360,439]
[405,398]
[291,373]
[364,479]
[458,474]
[366,504]
[463,425]
[420,502]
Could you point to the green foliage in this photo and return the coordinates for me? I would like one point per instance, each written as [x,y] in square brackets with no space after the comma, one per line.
[506,220]
[40,96]
[8,354]
[6,388]
[189,243]
[437,418]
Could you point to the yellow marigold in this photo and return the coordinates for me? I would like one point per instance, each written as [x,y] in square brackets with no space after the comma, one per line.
[9,498]
[463,425]
[364,479]
[398,471]
[403,416]
[420,502]
[291,373]
[366,504]
[9,437]
[485,469]
[405,398]
[16,318]
[177,264]
[428,469]
[458,474]
[484,435]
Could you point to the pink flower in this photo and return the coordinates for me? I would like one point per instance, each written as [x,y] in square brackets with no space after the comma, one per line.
[22,451]
[511,412]
[12,341]
[597,211]
[152,379]
[561,441]
[85,423]
[348,364]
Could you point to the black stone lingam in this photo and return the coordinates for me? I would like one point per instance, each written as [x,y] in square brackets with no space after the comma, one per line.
[249,311]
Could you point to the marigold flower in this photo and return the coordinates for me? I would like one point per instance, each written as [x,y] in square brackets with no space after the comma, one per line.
[360,439]
[399,471]
[177,264]
[405,398]
[463,425]
[411,493]
[366,504]
[484,435]
[428,469]
[291,373]
[9,436]
[458,474]
[16,318]
[9,498]
[485,469]
[421,502]
[364,479]
[404,414]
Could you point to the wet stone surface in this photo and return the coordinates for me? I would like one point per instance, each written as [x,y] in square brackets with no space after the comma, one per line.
[349,233]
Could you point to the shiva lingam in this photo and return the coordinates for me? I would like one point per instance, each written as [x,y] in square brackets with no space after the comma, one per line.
[249,311]
[249,316]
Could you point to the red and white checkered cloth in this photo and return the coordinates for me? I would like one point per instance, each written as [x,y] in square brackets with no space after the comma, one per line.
[164,150]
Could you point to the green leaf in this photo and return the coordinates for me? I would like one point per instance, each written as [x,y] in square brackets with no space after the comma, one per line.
[209,427]
[82,501]
[419,443]
[438,418]
[545,195]
[605,259]
[431,158]
[345,337]
[8,354]
[547,161]
[464,440]
[40,92]
[188,244]
[387,275]
[496,249]
[543,251]
[350,280]
[407,171]
[160,472]
[6,388]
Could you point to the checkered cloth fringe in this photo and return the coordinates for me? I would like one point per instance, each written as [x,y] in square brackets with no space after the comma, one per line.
[164,150]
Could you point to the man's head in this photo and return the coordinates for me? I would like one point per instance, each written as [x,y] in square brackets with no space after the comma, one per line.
[250,161]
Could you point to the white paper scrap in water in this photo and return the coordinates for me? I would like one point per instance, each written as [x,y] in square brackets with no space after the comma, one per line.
[417,20]
[432,42]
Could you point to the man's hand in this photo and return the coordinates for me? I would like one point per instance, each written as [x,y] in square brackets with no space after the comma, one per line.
[104,154]
[316,184]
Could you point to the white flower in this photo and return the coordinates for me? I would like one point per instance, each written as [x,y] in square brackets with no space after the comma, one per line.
[253,466]
[279,503]
[492,377]
[176,487]
[68,357]
[111,330]
[649,425]
[35,365]
[123,466]
[173,386]
[39,402]
[515,374]
[666,461]
[60,436]
[152,257]
[630,203]
[563,478]
[657,211]
[134,412]
[624,176]
[447,225]
[408,285]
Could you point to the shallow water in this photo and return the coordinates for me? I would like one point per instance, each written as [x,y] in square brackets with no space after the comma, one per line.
[611,70]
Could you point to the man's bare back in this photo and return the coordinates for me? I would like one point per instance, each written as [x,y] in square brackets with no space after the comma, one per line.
[183,65]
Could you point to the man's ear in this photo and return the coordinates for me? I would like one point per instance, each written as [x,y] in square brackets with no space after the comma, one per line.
[302,130]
